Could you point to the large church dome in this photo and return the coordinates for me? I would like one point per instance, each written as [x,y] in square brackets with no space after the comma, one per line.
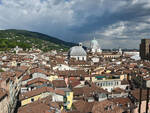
[77,51]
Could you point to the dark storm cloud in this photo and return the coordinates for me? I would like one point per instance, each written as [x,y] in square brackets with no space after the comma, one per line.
[126,13]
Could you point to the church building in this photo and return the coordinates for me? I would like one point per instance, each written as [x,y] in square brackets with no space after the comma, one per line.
[78,53]
[95,47]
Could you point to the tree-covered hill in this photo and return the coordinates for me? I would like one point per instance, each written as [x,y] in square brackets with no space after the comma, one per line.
[27,39]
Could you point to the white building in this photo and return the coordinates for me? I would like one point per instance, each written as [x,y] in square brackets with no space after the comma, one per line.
[17,49]
[111,84]
[95,59]
[63,67]
[78,53]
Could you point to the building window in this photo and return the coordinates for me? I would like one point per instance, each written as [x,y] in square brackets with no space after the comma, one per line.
[32,99]
[111,83]
[106,83]
[117,82]
[103,83]
[78,58]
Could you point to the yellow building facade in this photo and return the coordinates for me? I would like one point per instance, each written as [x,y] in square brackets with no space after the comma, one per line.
[69,100]
[31,99]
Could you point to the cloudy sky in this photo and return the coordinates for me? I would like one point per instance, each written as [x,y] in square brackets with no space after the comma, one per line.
[114,23]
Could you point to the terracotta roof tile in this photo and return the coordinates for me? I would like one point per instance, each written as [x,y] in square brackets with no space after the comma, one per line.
[3,93]
[41,80]
[38,91]
[59,84]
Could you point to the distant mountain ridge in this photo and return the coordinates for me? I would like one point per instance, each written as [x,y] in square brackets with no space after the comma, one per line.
[27,39]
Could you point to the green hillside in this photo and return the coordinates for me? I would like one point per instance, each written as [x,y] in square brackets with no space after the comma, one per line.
[27,39]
